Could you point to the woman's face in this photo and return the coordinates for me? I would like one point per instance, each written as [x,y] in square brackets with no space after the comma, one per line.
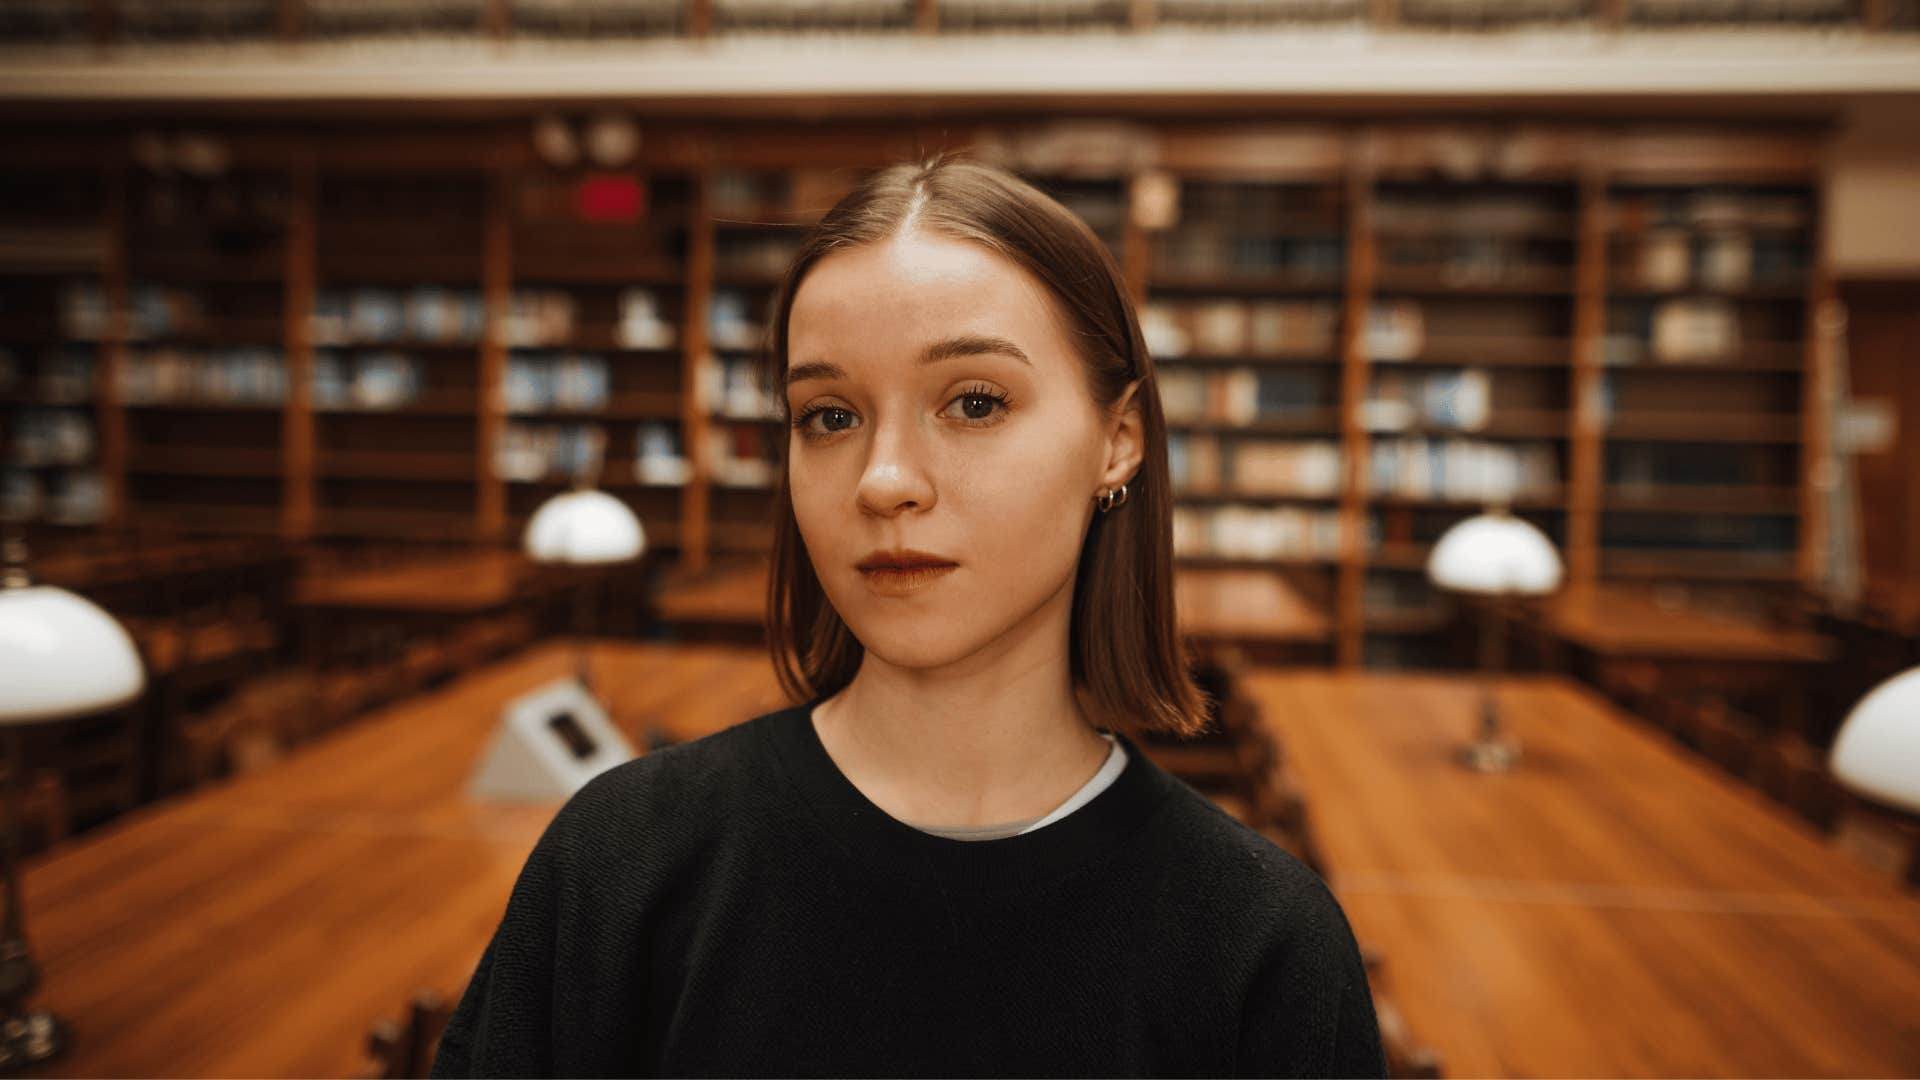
[939,407]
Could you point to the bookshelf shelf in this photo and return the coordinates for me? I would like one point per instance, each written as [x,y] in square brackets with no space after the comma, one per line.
[1694,498]
[1248,285]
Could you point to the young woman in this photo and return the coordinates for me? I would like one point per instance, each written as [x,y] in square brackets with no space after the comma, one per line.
[949,859]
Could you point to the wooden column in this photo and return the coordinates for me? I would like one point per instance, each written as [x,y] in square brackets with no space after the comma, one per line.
[695,503]
[1586,477]
[110,412]
[1349,625]
[297,434]
[496,286]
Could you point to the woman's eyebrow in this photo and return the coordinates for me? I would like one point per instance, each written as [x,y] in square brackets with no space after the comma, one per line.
[963,345]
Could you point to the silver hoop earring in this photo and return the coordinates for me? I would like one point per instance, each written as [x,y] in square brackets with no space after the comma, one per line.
[1110,498]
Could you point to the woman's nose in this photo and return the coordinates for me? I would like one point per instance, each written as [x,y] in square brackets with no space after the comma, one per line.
[895,477]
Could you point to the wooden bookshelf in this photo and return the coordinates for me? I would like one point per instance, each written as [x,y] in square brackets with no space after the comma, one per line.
[1552,291]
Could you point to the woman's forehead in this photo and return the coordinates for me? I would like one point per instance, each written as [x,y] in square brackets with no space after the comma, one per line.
[910,294]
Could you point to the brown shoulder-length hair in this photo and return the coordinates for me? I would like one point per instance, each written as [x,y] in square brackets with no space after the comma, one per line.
[1127,656]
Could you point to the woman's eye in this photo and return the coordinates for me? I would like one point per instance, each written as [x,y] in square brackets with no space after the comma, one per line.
[834,420]
[979,405]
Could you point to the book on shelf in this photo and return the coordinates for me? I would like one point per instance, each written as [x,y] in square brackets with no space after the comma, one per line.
[641,325]
[370,315]
[1241,395]
[51,437]
[549,451]
[1228,327]
[70,497]
[658,455]
[732,388]
[1458,469]
[740,456]
[1303,468]
[536,382]
[1472,215]
[733,321]
[380,379]
[1395,330]
[1237,531]
[241,375]
[1398,400]
[538,317]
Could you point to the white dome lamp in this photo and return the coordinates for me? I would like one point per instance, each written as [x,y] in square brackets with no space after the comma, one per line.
[61,656]
[1876,752]
[584,527]
[1497,556]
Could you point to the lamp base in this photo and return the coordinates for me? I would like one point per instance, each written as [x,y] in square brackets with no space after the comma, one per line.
[31,1037]
[1490,754]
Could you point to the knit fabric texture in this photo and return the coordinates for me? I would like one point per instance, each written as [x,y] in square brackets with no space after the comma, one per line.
[735,906]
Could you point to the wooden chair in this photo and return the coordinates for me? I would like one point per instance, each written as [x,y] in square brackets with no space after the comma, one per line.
[1406,1056]
[397,1051]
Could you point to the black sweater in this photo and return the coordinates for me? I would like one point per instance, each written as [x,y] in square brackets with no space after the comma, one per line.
[736,906]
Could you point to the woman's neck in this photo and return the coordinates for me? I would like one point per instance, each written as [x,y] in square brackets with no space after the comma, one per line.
[961,749]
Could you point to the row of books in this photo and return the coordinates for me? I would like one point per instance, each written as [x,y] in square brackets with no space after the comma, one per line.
[247,374]
[1468,470]
[1242,395]
[1459,398]
[65,375]
[425,313]
[1303,468]
[1224,327]
[153,311]
[547,317]
[1461,262]
[1221,249]
[1685,330]
[1672,259]
[530,452]
[365,380]
[760,253]
[741,455]
[541,381]
[1488,215]
[1236,531]
[736,321]
[1708,208]
[731,387]
[50,436]
[67,497]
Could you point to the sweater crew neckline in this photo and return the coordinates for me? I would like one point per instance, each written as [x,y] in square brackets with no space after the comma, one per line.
[897,849]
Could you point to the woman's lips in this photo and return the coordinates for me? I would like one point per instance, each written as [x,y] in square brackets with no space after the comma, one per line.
[898,580]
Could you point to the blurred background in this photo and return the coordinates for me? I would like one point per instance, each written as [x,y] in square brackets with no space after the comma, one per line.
[381,457]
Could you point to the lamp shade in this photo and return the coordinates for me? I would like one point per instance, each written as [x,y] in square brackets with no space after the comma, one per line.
[1877,750]
[61,655]
[584,528]
[1495,553]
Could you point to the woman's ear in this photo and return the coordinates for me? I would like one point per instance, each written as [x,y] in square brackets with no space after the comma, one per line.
[1126,437]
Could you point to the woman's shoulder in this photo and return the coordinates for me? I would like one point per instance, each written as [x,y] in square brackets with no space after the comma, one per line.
[678,790]
[1240,857]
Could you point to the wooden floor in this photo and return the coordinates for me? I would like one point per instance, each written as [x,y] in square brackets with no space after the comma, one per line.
[257,928]
[1612,907]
